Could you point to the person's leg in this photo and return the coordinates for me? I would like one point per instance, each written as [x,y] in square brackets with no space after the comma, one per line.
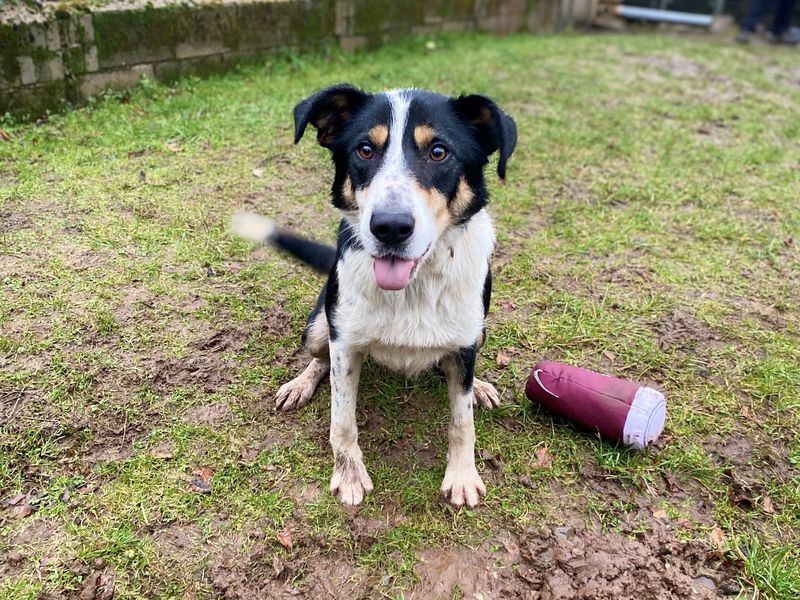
[756,12]
[783,17]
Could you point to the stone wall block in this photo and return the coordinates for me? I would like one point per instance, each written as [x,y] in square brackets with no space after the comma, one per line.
[27,70]
[121,79]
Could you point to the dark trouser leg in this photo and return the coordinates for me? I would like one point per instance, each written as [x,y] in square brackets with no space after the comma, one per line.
[783,17]
[756,13]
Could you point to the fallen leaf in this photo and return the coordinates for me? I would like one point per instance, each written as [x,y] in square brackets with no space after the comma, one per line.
[508,306]
[249,454]
[89,591]
[5,136]
[22,511]
[718,538]
[163,451]
[543,458]
[660,513]
[204,473]
[16,499]
[95,587]
[503,359]
[258,173]
[198,486]
[767,505]
[526,481]
[493,460]
[285,538]
[672,482]
[278,565]
[610,356]
[202,483]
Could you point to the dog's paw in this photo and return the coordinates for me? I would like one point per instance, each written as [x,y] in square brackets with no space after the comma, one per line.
[484,394]
[462,485]
[350,481]
[296,393]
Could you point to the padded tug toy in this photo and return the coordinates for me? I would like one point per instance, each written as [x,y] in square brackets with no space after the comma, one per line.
[621,411]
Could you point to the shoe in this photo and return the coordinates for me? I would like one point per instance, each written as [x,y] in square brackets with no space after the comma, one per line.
[743,37]
[789,38]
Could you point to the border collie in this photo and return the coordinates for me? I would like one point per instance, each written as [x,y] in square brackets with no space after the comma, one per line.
[409,281]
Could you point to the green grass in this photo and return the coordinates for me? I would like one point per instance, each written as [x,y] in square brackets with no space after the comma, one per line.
[648,228]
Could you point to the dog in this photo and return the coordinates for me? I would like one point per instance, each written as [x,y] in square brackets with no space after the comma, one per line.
[410,280]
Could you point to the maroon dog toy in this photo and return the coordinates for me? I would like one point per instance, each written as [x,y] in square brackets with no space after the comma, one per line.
[619,410]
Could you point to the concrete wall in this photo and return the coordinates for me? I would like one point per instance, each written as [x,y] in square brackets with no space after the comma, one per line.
[50,60]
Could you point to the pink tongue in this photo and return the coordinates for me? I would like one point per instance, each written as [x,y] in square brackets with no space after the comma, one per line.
[392,273]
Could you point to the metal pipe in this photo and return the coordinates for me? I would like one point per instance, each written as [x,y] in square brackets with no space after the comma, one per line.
[663,16]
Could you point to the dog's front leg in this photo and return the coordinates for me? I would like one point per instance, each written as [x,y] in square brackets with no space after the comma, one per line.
[461,484]
[350,481]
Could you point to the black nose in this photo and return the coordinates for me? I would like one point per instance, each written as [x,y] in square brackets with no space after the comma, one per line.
[392,228]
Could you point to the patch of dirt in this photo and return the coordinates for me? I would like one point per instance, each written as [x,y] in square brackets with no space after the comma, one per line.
[566,564]
[735,451]
[300,178]
[682,331]
[717,131]
[786,76]
[366,532]
[109,449]
[256,568]
[409,452]
[179,544]
[35,538]
[676,66]
[209,414]
[204,367]
[12,221]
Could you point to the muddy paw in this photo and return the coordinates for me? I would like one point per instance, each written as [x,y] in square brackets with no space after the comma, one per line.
[463,485]
[295,394]
[350,481]
[484,394]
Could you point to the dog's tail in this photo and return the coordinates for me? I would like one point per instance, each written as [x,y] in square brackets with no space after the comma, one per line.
[261,230]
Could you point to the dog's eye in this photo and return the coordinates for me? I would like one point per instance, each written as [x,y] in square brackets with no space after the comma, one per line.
[365,151]
[438,152]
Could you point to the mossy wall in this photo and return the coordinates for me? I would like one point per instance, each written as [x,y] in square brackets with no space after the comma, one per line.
[49,62]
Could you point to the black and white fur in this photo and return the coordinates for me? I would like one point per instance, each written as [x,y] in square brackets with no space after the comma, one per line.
[409,183]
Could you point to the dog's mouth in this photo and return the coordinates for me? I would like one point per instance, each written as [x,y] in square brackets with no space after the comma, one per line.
[393,273]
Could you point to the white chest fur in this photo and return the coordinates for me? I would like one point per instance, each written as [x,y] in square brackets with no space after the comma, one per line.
[439,311]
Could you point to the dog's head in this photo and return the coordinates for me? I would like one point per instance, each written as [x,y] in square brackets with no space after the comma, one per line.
[409,164]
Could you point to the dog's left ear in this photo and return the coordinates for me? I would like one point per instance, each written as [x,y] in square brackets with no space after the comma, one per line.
[328,111]
[494,128]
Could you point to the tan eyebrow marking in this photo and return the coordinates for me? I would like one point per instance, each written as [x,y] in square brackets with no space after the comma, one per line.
[378,135]
[424,135]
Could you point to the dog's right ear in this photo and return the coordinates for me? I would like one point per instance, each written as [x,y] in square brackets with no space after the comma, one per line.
[328,111]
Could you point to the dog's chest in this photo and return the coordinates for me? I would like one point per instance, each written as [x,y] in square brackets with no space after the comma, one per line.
[441,310]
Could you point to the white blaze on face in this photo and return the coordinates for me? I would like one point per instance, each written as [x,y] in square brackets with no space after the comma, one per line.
[393,189]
